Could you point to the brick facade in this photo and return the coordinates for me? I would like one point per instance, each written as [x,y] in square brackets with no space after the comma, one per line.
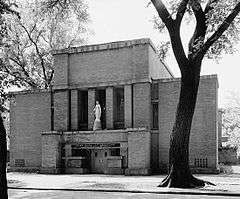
[134,67]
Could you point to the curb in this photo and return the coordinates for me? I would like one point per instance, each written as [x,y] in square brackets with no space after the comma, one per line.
[133,191]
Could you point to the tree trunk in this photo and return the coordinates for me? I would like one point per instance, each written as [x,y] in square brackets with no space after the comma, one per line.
[179,171]
[3,161]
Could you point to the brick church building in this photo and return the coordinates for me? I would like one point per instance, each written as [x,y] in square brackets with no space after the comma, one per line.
[52,130]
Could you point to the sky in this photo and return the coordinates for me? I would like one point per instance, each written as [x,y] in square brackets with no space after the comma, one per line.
[116,20]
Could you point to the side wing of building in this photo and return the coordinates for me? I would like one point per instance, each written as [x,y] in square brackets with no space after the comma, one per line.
[204,137]
[29,116]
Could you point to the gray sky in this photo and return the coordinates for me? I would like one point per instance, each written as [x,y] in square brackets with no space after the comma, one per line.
[114,20]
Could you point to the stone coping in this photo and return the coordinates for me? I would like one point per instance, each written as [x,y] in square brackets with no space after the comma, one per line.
[75,158]
[95,132]
[105,46]
[31,91]
[114,158]
[177,79]
[102,84]
[51,133]
[106,131]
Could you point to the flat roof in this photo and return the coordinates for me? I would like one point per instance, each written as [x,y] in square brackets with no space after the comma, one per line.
[105,46]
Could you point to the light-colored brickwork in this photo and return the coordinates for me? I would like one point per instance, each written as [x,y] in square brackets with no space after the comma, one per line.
[109,107]
[139,150]
[157,68]
[29,116]
[203,140]
[108,64]
[141,105]
[128,106]
[61,110]
[74,109]
[91,105]
[51,152]
[61,70]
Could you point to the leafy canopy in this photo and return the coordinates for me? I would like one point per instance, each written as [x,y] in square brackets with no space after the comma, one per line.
[215,12]
[26,57]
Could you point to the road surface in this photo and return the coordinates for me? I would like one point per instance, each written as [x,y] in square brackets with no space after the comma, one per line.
[38,194]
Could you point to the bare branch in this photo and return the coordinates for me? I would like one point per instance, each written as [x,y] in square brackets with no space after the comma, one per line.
[38,53]
[19,77]
[6,8]
[221,29]
[163,13]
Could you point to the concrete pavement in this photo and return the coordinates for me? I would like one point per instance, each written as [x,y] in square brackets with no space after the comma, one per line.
[226,185]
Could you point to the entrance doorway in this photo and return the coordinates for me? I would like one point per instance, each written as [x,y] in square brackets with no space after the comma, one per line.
[101,98]
[99,160]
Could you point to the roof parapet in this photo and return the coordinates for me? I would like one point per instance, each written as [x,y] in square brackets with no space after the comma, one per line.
[105,46]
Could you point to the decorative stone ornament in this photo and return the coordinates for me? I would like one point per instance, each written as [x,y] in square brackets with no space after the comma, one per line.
[97,121]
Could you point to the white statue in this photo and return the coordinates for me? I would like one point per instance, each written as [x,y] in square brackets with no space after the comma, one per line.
[97,112]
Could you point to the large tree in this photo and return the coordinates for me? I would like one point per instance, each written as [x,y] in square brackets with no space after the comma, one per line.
[5,8]
[211,36]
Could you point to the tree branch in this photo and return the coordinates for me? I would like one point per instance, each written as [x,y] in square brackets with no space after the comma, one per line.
[181,11]
[209,6]
[163,13]
[38,53]
[199,34]
[174,32]
[18,76]
[221,29]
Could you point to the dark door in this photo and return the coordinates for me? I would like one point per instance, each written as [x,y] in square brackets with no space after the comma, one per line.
[99,160]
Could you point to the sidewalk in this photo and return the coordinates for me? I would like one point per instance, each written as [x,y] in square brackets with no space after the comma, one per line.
[225,184]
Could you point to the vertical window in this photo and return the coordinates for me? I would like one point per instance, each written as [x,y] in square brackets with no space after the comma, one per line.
[154,91]
[82,110]
[154,98]
[118,108]
[155,115]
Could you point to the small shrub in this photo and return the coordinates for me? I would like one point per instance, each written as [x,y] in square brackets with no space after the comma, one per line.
[226,169]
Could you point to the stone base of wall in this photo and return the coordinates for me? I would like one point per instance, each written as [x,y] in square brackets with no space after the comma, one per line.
[205,170]
[51,170]
[114,171]
[76,170]
[138,172]
[25,169]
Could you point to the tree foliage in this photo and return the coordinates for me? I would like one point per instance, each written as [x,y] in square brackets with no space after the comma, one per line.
[30,39]
[231,119]
[214,12]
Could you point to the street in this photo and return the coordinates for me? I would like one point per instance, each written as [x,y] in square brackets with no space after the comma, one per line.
[36,194]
